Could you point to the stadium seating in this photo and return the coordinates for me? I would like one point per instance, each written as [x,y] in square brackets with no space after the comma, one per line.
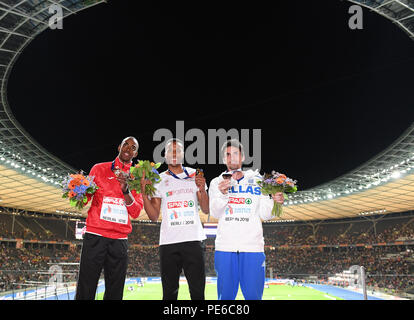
[295,250]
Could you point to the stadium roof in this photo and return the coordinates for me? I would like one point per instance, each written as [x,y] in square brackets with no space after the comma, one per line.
[28,171]
[30,175]
[400,12]
[384,182]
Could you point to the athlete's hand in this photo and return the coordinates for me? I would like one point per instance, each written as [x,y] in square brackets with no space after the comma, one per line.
[278,197]
[200,182]
[122,178]
[144,182]
[224,186]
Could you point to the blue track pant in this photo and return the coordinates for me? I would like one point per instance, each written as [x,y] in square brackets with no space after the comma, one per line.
[244,268]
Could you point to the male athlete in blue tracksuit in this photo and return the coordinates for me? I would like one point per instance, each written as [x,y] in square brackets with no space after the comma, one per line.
[240,207]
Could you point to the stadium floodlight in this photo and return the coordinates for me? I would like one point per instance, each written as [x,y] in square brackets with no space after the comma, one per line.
[396,174]
[372,212]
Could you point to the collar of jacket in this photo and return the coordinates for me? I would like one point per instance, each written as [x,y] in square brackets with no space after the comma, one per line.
[124,167]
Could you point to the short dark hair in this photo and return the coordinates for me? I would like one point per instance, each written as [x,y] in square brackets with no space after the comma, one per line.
[130,137]
[232,143]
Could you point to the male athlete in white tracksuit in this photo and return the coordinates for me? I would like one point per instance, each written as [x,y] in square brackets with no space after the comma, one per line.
[240,207]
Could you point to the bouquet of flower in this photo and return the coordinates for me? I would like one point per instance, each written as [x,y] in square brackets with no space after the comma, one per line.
[274,183]
[78,188]
[151,173]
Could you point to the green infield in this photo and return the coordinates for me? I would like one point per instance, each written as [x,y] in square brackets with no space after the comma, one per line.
[153,291]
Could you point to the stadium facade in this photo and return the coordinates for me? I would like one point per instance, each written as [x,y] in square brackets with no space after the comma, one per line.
[24,162]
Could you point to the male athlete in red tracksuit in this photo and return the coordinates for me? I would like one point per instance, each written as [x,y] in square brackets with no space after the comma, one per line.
[105,244]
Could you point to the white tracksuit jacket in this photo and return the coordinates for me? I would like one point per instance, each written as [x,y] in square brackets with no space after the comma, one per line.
[240,213]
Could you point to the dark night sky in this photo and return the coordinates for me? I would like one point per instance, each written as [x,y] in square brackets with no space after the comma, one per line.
[326,98]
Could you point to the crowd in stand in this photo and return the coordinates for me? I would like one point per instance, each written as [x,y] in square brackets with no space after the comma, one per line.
[29,234]
[144,234]
[304,235]
[143,261]
[383,271]
[19,265]
[291,235]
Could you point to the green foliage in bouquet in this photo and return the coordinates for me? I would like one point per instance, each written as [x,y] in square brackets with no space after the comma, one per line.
[274,183]
[151,173]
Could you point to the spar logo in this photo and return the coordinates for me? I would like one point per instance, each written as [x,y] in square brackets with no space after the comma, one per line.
[240,200]
[180,204]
